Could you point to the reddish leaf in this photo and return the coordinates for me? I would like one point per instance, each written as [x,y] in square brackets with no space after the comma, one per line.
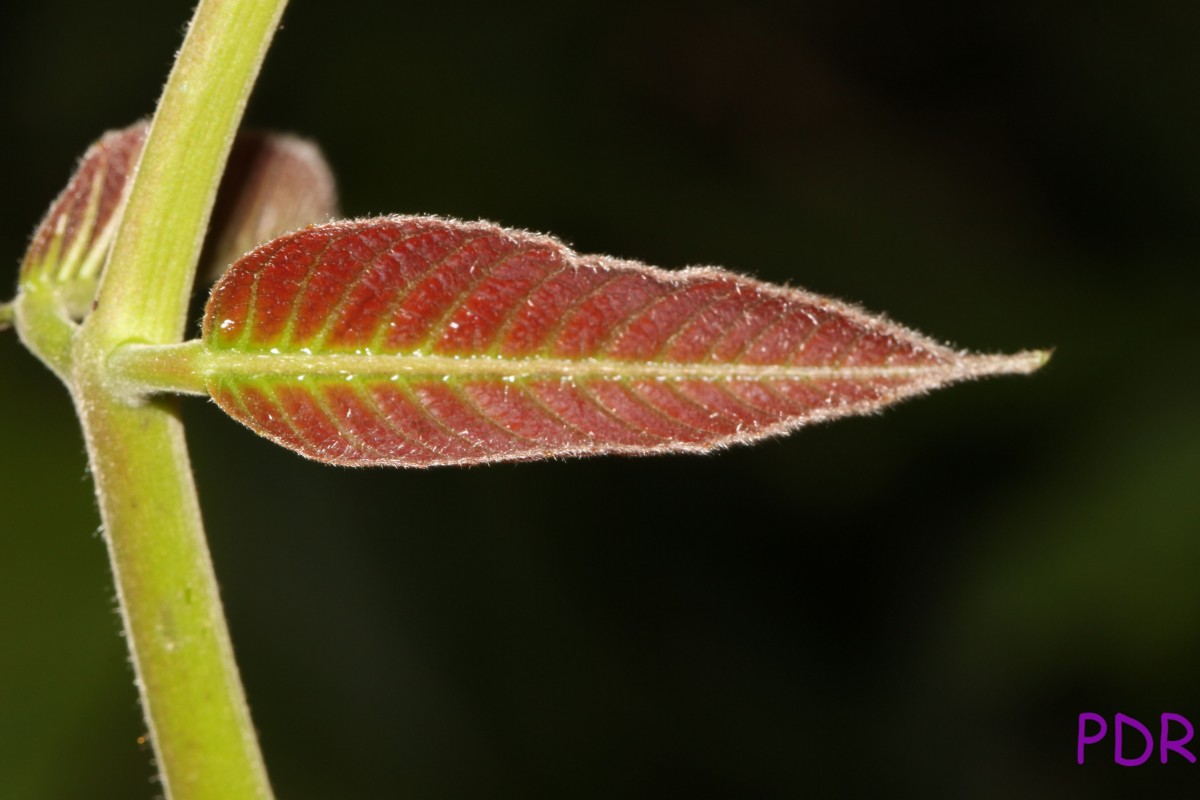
[418,341]
[274,183]
[70,244]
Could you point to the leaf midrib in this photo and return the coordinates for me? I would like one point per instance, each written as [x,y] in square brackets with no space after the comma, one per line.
[233,365]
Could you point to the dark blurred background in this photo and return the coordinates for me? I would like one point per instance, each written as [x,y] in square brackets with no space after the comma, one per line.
[922,601]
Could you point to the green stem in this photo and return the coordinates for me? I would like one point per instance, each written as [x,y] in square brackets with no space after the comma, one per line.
[144,369]
[45,327]
[7,313]
[192,696]
[195,707]
[144,292]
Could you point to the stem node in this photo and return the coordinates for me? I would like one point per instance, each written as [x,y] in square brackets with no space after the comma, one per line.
[196,714]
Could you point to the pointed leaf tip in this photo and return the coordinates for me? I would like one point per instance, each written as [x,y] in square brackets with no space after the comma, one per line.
[1022,363]
[418,341]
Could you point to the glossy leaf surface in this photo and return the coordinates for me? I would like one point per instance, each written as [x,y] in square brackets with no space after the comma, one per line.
[418,341]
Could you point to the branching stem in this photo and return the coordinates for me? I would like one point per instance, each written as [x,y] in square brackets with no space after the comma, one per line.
[195,707]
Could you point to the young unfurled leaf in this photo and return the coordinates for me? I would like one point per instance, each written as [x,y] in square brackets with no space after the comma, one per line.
[275,183]
[417,341]
[70,245]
